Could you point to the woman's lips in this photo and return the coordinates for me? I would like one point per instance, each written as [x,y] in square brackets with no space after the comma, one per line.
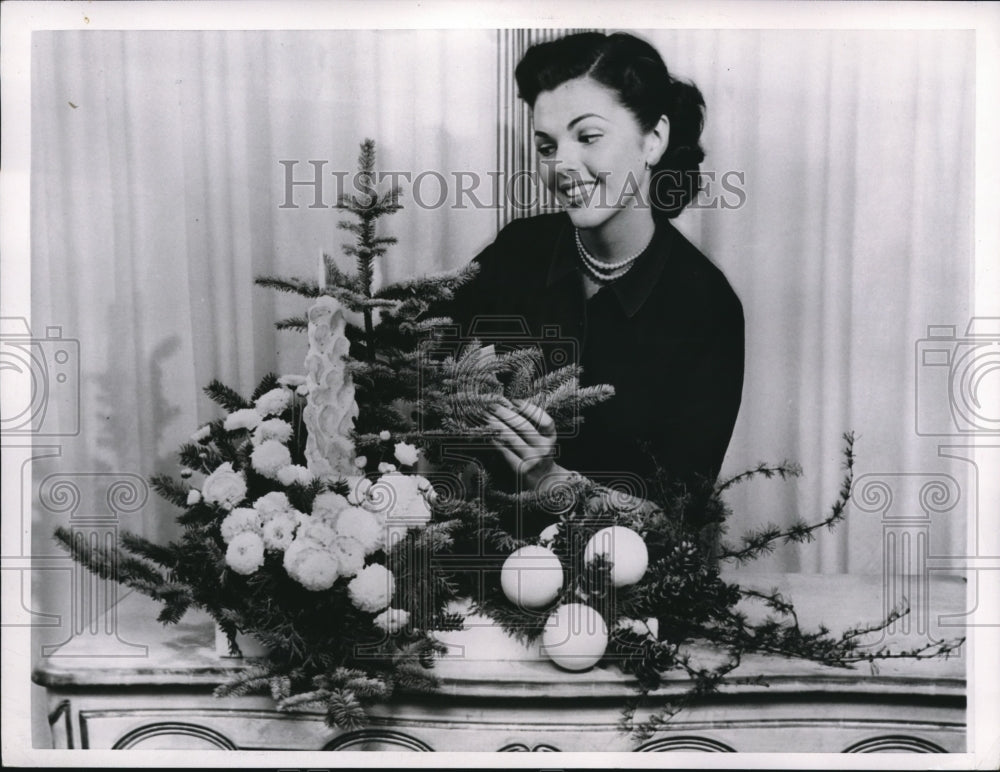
[577,193]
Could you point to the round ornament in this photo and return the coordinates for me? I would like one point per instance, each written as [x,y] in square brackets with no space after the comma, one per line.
[575,636]
[624,548]
[531,577]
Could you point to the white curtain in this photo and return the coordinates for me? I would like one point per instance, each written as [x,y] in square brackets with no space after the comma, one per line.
[156,194]
[856,235]
[157,198]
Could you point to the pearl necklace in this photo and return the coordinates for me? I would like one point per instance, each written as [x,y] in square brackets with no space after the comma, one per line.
[601,271]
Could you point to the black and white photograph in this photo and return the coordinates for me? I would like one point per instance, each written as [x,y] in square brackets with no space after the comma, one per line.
[471,379]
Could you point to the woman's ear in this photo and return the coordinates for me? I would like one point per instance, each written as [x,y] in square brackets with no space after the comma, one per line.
[657,140]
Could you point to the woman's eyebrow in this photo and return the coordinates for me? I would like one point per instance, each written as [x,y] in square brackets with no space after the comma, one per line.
[572,123]
[579,118]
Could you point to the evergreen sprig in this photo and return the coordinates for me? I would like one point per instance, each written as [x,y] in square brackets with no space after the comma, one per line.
[759,542]
[226,397]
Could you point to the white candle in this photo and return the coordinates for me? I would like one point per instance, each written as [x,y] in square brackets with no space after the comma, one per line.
[322,269]
[330,410]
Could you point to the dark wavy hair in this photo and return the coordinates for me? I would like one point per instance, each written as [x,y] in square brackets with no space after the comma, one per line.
[635,71]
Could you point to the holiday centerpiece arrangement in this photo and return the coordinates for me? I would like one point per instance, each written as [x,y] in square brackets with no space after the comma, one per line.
[321,513]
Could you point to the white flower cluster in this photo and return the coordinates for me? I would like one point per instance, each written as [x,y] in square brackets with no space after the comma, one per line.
[268,435]
[247,418]
[273,402]
[224,487]
[272,429]
[392,620]
[372,589]
[410,498]
[241,520]
[343,535]
[333,542]
[246,553]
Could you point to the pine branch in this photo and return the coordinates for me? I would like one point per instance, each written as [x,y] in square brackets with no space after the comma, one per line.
[429,288]
[281,687]
[345,711]
[303,287]
[165,556]
[297,323]
[415,678]
[110,563]
[267,383]
[255,678]
[226,397]
[756,543]
[553,380]
[167,487]
[784,470]
[306,700]
[338,278]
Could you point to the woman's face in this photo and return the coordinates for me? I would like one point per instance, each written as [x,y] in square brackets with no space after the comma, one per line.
[593,153]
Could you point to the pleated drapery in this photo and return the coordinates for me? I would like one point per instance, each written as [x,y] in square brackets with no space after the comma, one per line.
[157,192]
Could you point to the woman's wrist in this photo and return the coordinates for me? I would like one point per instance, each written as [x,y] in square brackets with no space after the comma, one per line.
[544,480]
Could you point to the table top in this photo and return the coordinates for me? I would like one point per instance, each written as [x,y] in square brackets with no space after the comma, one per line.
[485,662]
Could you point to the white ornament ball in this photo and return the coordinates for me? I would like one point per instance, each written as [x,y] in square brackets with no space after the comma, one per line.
[624,548]
[548,534]
[531,577]
[575,636]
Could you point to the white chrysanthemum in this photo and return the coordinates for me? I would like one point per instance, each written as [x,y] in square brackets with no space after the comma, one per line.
[224,487]
[270,456]
[279,531]
[385,467]
[315,569]
[294,474]
[274,402]
[272,429]
[194,496]
[372,589]
[327,505]
[240,520]
[362,525]
[292,380]
[350,555]
[248,418]
[203,433]
[384,435]
[246,553]
[392,620]
[358,490]
[406,454]
[318,531]
[411,493]
[361,462]
[295,551]
[272,504]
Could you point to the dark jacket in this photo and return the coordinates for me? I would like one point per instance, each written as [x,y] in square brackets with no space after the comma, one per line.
[668,336]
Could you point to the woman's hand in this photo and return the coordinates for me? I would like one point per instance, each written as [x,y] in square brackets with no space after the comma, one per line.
[527,441]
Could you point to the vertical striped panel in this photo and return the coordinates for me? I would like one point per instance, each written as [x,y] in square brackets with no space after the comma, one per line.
[518,185]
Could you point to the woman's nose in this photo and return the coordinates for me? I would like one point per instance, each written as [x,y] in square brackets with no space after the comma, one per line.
[567,167]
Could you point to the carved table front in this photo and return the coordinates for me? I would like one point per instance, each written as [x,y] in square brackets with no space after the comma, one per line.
[498,696]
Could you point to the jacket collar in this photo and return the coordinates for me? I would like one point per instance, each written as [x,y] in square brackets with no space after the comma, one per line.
[632,289]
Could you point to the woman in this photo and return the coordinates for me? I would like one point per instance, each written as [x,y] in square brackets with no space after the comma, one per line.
[609,278]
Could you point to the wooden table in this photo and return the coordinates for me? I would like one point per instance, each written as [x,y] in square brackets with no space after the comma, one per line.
[497,696]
